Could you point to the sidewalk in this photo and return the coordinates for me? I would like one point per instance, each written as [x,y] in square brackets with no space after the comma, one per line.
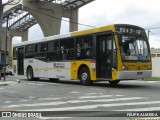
[7,81]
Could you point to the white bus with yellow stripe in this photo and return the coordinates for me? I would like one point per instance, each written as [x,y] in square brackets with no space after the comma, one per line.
[112,53]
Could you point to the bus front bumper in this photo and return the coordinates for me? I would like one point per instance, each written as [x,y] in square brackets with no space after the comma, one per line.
[136,74]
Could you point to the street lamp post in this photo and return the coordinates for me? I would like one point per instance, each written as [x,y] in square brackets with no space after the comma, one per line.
[1,12]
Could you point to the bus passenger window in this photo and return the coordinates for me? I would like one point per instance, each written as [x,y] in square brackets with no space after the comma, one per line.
[30,51]
[67,49]
[78,50]
[84,47]
[53,51]
[43,47]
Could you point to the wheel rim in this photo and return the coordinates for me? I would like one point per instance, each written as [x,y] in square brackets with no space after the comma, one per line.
[84,76]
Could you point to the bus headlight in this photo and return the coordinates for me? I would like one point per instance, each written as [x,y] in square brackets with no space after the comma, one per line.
[149,68]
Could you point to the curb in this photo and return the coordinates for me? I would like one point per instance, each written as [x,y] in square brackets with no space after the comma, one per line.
[2,83]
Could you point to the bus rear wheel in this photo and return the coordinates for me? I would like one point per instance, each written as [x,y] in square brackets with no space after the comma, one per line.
[84,76]
[115,82]
[54,79]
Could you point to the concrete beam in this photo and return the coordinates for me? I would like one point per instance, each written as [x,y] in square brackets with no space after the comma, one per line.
[9,8]
[48,15]
[23,34]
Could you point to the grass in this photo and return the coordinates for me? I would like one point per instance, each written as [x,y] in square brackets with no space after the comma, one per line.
[152,79]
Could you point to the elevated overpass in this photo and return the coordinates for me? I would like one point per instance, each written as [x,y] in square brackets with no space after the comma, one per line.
[47,13]
[23,14]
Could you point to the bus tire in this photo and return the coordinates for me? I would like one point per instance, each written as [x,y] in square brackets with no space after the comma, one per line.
[54,79]
[115,82]
[84,76]
[30,74]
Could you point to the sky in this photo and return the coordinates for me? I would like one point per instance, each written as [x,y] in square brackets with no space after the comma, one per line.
[143,13]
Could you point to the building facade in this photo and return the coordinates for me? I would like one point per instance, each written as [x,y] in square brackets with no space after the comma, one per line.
[155,53]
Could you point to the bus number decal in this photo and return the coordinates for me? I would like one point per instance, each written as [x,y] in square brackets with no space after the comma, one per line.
[30,61]
[59,65]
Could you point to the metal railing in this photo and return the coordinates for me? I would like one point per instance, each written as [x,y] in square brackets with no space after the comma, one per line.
[22,20]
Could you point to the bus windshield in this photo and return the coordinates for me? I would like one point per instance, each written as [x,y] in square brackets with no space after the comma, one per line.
[133,47]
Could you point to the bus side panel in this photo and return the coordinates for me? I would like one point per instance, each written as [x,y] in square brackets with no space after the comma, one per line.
[61,70]
[75,65]
[42,68]
[33,64]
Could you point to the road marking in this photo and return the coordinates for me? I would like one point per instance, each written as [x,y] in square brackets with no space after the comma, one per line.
[74,102]
[11,91]
[107,100]
[142,109]
[117,99]
[91,93]
[86,107]
[26,100]
[101,96]
[7,102]
[40,84]
[49,98]
[31,97]
[37,104]
[31,83]
[74,92]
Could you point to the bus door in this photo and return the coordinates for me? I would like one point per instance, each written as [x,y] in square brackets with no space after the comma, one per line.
[20,61]
[104,55]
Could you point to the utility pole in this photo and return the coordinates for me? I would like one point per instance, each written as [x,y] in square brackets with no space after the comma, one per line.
[5,55]
[148,34]
[1,12]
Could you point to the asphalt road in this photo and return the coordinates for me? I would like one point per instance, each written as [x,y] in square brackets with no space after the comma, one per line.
[71,100]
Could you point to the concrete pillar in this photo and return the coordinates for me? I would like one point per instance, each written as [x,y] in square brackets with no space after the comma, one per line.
[9,48]
[48,15]
[24,36]
[73,20]
[7,43]
[12,33]
[3,39]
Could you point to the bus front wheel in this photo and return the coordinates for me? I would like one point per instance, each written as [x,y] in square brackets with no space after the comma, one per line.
[84,76]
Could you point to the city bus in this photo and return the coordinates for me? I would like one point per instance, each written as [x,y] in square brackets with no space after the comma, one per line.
[110,53]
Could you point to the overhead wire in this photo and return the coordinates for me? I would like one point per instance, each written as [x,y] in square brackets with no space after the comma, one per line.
[154,34]
[154,28]
[60,18]
[149,29]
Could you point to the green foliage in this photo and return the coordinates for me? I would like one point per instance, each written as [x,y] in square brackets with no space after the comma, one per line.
[152,79]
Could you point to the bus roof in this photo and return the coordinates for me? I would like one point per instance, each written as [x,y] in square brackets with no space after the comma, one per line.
[76,33]
[55,37]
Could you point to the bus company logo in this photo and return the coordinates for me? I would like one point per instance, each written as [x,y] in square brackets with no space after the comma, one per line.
[6,114]
[59,65]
